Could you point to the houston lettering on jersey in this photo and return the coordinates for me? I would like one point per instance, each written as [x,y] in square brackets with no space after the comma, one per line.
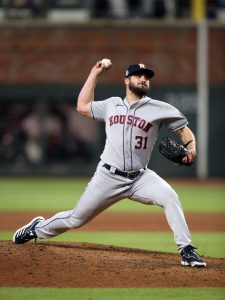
[130,120]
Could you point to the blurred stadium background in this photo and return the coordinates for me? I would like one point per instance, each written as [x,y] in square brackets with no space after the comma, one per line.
[47,49]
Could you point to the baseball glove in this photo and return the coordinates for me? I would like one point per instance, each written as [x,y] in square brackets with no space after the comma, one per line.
[175,151]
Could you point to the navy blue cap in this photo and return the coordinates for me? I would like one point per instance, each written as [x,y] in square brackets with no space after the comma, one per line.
[138,68]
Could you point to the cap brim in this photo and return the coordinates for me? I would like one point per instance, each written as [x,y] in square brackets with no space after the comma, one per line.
[148,72]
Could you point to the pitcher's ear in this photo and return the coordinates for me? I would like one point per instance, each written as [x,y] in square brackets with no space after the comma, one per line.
[126,80]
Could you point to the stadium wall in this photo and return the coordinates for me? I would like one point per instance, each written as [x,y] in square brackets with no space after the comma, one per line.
[43,63]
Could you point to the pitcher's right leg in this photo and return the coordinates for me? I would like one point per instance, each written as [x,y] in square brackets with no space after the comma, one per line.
[101,192]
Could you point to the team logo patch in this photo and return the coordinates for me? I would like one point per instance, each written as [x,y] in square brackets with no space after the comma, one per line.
[142,66]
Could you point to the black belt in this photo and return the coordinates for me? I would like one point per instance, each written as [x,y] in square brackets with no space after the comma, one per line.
[130,175]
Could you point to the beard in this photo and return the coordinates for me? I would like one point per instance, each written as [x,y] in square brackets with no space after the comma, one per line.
[140,91]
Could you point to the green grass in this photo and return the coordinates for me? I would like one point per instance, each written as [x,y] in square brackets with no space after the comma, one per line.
[209,244]
[40,194]
[112,294]
[62,194]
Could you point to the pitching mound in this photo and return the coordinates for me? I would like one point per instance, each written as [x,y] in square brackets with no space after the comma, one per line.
[57,264]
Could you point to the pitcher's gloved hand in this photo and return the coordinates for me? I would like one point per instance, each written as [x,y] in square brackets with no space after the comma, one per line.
[176,152]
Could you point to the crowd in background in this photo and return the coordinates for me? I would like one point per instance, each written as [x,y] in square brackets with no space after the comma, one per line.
[32,134]
[114,8]
[155,9]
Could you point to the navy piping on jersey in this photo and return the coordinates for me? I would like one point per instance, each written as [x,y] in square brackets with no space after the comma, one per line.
[131,156]
[92,111]
[124,156]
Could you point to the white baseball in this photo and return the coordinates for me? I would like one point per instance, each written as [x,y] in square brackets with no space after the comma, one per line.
[106,63]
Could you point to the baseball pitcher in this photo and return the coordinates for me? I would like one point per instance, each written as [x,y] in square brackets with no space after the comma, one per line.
[132,125]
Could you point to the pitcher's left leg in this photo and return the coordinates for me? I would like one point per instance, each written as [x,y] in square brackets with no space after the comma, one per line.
[152,189]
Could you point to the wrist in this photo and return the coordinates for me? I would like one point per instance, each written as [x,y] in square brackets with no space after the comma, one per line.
[192,151]
[190,146]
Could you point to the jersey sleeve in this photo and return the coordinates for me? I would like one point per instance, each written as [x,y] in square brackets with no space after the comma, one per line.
[175,120]
[98,109]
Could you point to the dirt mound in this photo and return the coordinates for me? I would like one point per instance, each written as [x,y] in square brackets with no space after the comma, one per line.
[57,264]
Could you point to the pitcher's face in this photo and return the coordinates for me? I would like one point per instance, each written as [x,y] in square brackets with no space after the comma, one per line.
[139,84]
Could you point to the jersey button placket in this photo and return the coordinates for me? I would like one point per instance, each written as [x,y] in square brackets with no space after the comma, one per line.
[127,143]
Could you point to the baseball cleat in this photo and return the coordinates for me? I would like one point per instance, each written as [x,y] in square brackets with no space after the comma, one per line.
[190,258]
[27,232]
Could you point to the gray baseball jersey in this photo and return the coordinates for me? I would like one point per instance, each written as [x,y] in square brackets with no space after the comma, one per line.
[131,131]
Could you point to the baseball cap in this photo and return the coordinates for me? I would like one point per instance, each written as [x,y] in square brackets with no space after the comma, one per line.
[138,68]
